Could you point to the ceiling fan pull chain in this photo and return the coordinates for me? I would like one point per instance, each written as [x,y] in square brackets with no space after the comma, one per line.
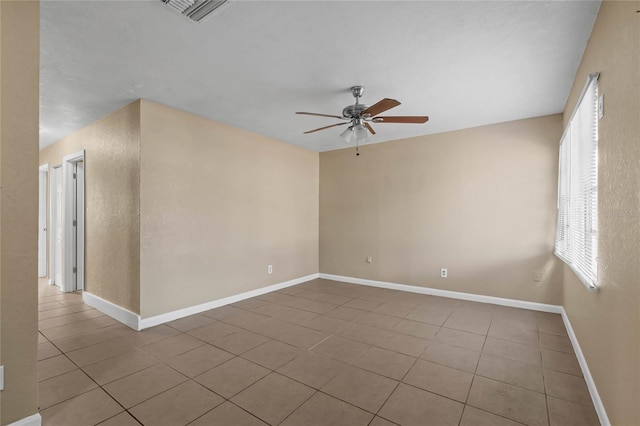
[357,146]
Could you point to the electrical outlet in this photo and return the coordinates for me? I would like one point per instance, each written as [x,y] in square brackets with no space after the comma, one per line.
[369,259]
[270,269]
[443,272]
[537,276]
[1,377]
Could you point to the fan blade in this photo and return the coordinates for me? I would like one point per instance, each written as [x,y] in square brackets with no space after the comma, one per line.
[321,115]
[326,127]
[402,119]
[368,126]
[381,106]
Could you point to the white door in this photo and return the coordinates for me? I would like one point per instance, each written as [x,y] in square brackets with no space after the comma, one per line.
[42,222]
[58,227]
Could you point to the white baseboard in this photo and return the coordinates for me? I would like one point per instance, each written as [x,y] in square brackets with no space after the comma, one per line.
[116,312]
[534,306]
[586,373]
[138,323]
[34,420]
[181,313]
[556,309]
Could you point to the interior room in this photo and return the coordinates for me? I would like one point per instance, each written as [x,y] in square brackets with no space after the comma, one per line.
[319,213]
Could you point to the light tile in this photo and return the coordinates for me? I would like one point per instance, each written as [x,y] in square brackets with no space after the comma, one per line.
[173,346]
[514,351]
[54,366]
[151,335]
[402,343]
[122,419]
[566,386]
[346,313]
[63,387]
[240,342]
[94,337]
[177,406]
[232,377]
[415,407]
[561,361]
[47,350]
[138,387]
[522,405]
[324,410]
[117,367]
[430,314]
[228,414]
[362,333]
[416,329]
[312,369]
[565,413]
[514,334]
[191,322]
[302,337]
[99,352]
[199,360]
[512,372]
[213,332]
[375,320]
[272,327]
[340,348]
[326,324]
[262,400]
[462,339]
[361,388]
[272,354]
[555,343]
[551,324]
[451,356]
[384,362]
[473,323]
[439,379]
[475,417]
[87,409]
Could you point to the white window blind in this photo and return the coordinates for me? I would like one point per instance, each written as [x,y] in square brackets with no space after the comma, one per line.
[577,229]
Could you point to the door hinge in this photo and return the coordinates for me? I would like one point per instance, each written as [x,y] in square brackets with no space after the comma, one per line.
[75,176]
[75,270]
[75,223]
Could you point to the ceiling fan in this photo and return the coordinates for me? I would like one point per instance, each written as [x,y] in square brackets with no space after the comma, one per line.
[358,116]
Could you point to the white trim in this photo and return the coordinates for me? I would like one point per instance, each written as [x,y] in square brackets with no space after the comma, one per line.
[181,313]
[134,320]
[116,312]
[34,420]
[534,306]
[591,385]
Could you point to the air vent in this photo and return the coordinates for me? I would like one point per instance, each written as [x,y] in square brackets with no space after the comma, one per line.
[195,9]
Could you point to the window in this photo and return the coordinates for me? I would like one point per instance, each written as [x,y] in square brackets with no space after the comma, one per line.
[576,234]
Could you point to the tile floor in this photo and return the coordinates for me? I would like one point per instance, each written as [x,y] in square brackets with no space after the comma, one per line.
[319,353]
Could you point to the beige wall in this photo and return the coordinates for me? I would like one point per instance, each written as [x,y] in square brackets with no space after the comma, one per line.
[607,323]
[480,202]
[19,68]
[218,204]
[112,203]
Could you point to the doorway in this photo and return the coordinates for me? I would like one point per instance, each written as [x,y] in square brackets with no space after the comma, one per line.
[43,174]
[73,172]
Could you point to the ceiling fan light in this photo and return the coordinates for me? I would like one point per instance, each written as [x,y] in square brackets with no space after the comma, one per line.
[361,133]
[347,135]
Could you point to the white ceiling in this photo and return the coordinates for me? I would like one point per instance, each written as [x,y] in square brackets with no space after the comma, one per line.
[255,63]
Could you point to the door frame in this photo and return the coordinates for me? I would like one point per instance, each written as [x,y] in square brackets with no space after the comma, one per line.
[73,246]
[43,187]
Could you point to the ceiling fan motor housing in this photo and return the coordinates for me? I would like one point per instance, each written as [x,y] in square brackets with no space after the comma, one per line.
[354,111]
